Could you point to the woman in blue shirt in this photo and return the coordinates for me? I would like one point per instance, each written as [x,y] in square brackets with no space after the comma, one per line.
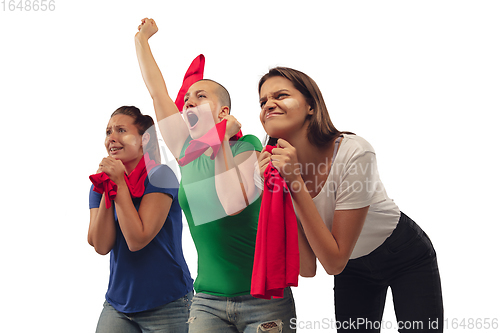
[139,223]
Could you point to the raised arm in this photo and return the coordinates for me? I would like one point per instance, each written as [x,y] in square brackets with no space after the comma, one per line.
[234,175]
[170,121]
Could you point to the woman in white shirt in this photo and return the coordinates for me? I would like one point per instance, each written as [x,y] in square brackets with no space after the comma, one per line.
[347,220]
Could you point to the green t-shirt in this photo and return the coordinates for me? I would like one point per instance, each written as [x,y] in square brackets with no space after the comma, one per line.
[225,244]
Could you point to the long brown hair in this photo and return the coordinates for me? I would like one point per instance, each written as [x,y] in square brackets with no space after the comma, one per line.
[144,124]
[321,130]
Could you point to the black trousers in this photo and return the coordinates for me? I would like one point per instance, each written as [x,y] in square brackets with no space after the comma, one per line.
[407,263]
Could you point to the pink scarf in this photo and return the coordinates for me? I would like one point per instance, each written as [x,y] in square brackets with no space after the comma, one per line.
[276,261]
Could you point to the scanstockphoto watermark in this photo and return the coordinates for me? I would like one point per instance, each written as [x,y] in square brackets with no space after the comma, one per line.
[355,180]
[361,166]
[28,5]
[331,187]
[356,176]
[363,324]
[417,325]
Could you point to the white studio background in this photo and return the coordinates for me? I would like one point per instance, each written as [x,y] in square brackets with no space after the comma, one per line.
[418,79]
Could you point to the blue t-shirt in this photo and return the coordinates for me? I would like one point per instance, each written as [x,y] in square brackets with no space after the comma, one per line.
[158,273]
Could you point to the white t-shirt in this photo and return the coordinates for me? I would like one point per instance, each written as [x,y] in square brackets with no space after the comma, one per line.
[353,182]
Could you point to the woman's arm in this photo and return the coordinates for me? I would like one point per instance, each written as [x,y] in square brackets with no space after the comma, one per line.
[102,229]
[307,256]
[234,175]
[138,227]
[332,248]
[234,181]
[172,126]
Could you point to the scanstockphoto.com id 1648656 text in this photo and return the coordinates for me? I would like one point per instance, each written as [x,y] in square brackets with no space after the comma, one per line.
[363,324]
[479,324]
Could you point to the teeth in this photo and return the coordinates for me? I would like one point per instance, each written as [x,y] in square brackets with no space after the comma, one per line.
[272,114]
[115,149]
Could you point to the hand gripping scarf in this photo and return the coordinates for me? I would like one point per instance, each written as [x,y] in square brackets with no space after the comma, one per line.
[135,181]
[213,138]
[276,261]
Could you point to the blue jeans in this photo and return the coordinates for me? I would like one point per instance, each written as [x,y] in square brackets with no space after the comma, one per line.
[407,263]
[243,314]
[169,318]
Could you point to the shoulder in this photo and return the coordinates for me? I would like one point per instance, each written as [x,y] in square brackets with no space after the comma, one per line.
[162,176]
[248,142]
[355,145]
[94,198]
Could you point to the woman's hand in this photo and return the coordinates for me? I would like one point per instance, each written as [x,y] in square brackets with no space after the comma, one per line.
[284,159]
[113,168]
[147,28]
[232,127]
[263,161]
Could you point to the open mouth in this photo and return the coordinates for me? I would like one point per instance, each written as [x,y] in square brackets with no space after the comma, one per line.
[115,149]
[192,119]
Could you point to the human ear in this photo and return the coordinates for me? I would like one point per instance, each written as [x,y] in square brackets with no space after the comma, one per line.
[223,112]
[145,139]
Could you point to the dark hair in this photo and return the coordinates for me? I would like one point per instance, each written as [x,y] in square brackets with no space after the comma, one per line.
[222,94]
[321,130]
[144,124]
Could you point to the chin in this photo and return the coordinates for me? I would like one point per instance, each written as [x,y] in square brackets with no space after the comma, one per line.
[275,132]
[195,134]
[201,129]
[198,132]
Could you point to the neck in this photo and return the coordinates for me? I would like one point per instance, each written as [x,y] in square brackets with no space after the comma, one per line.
[131,165]
[309,154]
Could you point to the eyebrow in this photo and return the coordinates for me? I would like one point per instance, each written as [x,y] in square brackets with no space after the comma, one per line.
[274,93]
[115,126]
[196,93]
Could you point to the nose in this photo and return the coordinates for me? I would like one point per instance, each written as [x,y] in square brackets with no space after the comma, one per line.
[189,103]
[110,138]
[269,105]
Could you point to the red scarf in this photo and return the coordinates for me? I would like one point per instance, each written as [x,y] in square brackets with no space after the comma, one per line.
[193,74]
[213,138]
[135,181]
[276,261]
